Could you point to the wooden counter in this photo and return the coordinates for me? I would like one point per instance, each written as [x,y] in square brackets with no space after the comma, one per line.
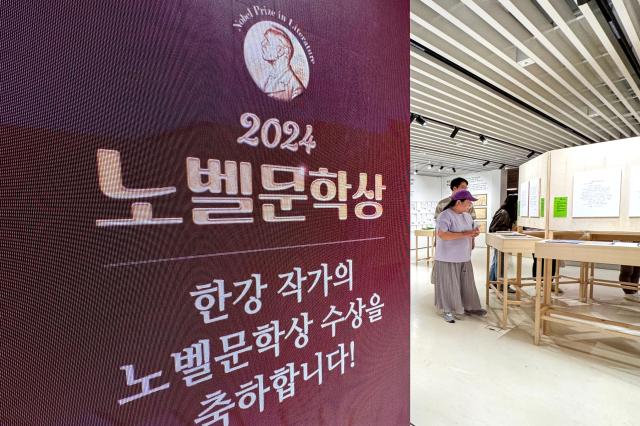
[431,235]
[588,253]
[508,243]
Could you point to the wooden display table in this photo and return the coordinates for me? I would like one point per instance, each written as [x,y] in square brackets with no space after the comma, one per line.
[587,253]
[429,233]
[508,243]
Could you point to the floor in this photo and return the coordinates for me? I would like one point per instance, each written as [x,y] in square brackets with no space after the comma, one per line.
[475,373]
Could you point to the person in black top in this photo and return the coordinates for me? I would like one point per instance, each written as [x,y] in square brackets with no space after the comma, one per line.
[503,220]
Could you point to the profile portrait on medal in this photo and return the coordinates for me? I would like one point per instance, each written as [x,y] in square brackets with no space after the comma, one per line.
[276,61]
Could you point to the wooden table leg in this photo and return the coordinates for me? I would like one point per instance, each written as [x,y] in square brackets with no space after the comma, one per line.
[583,282]
[428,248]
[488,284]
[518,275]
[556,278]
[580,281]
[505,291]
[548,284]
[499,268]
[538,300]
[591,278]
[586,282]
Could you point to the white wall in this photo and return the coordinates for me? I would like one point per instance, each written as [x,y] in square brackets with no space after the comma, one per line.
[424,189]
[535,169]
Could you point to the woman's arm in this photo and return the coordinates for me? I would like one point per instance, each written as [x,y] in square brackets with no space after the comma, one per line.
[446,235]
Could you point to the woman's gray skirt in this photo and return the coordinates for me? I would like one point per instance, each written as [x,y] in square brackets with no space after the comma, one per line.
[455,287]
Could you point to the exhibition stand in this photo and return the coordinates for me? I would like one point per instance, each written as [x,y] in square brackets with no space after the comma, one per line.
[508,244]
[587,253]
[585,202]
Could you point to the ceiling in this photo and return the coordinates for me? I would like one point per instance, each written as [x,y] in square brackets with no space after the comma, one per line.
[529,75]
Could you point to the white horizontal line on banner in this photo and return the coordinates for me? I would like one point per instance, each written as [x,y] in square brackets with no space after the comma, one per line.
[229,253]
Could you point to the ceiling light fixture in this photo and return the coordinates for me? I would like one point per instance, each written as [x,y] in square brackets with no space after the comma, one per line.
[522,59]
[486,164]
[454,169]
[423,120]
[502,167]
[441,167]
[531,154]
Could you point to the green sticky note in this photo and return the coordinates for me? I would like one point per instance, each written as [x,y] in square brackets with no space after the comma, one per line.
[560,206]
[541,207]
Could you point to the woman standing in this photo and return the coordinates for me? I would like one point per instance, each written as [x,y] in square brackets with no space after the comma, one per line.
[456,291]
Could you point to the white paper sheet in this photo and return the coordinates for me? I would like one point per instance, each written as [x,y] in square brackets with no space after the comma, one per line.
[523,199]
[634,192]
[534,197]
[597,193]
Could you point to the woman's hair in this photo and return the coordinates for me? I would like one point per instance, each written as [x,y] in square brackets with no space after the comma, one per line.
[511,206]
[451,204]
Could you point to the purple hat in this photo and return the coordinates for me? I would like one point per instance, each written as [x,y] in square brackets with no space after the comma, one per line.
[463,194]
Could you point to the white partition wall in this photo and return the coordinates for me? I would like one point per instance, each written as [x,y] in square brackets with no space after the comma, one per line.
[533,174]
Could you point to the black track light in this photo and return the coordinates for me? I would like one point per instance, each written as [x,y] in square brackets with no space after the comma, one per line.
[486,164]
[454,133]
[531,154]
[502,167]
[454,169]
[483,140]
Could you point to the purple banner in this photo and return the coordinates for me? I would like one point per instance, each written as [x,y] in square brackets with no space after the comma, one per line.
[205,213]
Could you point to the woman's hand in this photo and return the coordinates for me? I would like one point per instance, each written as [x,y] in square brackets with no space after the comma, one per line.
[473,233]
[446,235]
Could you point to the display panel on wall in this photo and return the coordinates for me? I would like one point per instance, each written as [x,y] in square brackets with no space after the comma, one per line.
[206,213]
[596,193]
[482,200]
[634,192]
[481,213]
[523,199]
[534,197]
[422,213]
